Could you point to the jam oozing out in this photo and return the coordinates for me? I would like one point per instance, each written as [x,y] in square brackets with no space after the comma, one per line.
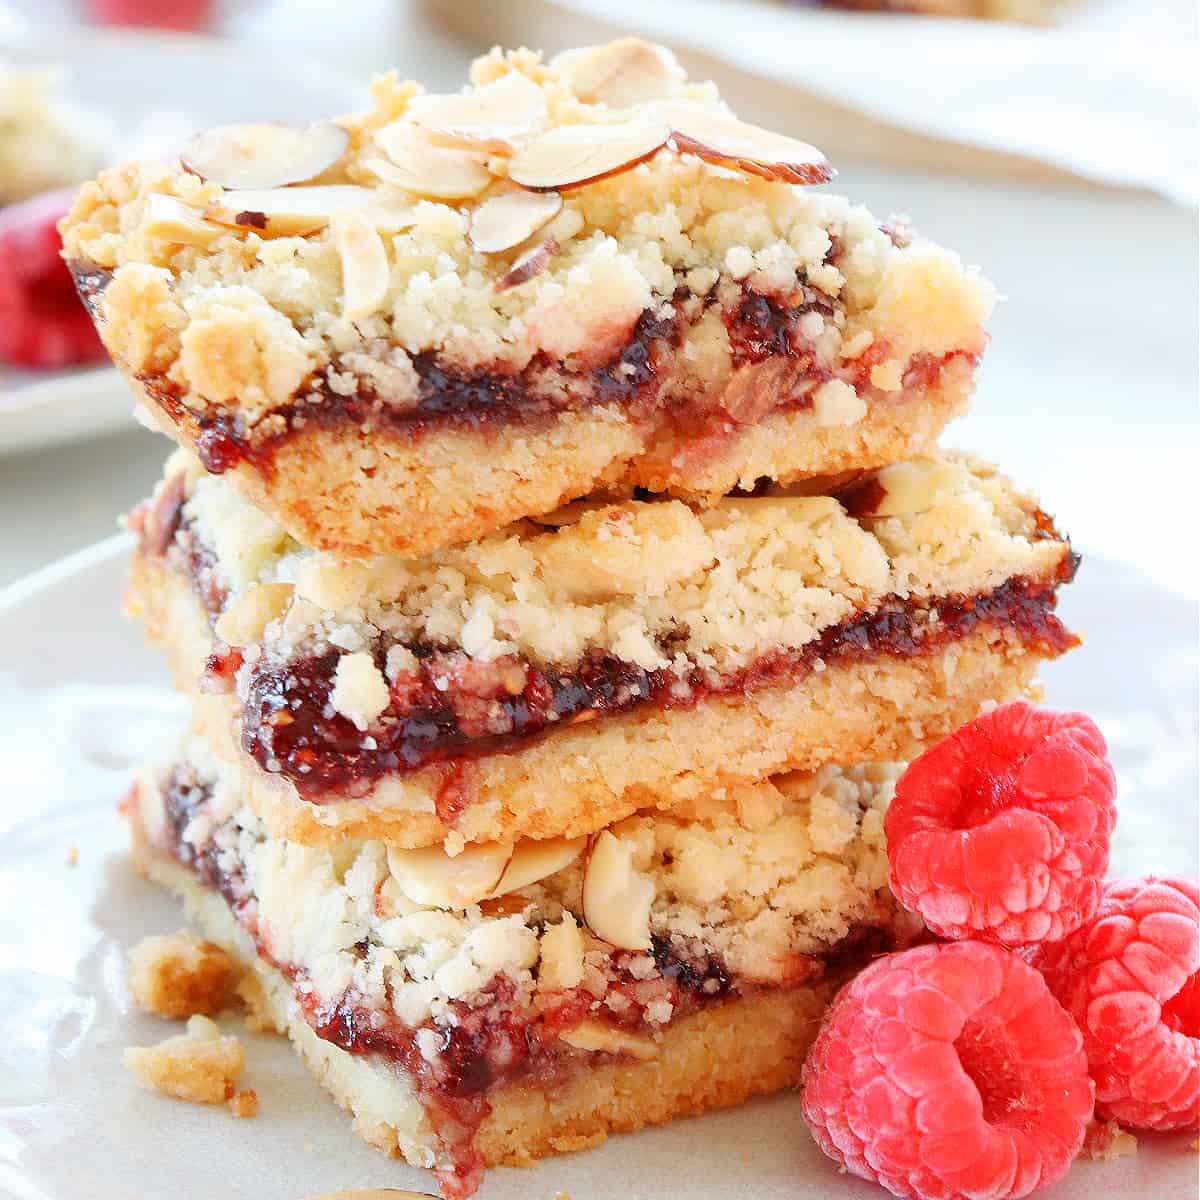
[760,327]
[452,710]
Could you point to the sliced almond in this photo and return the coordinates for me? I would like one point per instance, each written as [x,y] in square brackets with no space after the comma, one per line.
[533,860]
[597,1037]
[365,271]
[616,897]
[907,488]
[529,265]
[567,514]
[415,164]
[495,117]
[722,139]
[430,876]
[264,154]
[170,219]
[288,212]
[572,155]
[243,622]
[624,549]
[620,74]
[506,221]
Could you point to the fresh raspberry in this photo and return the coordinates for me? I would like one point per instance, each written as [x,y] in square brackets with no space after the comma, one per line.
[1131,979]
[1002,830]
[949,1072]
[42,323]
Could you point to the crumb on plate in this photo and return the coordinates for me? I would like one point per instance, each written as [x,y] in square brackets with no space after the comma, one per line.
[179,975]
[200,1065]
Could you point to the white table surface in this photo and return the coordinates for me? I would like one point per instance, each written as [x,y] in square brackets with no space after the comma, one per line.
[1088,392]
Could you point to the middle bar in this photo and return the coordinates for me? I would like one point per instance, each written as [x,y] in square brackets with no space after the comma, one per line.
[560,675]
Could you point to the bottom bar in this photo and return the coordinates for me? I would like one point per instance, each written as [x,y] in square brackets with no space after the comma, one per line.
[516,1002]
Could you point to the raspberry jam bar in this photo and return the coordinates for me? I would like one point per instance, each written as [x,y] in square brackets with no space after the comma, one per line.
[612,656]
[525,999]
[405,329]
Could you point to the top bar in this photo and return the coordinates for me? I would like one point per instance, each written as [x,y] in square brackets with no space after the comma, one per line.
[406,328]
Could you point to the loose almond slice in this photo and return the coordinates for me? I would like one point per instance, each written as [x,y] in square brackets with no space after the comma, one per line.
[620,74]
[532,263]
[573,155]
[264,154]
[616,897]
[907,488]
[722,139]
[365,271]
[533,860]
[430,876]
[506,221]
[609,1039]
[288,212]
[495,117]
[173,221]
[415,164]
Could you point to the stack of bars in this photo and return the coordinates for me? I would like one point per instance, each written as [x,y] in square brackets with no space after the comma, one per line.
[559,559]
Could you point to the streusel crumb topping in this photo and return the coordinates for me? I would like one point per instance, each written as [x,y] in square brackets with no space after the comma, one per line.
[469,226]
[643,581]
[757,879]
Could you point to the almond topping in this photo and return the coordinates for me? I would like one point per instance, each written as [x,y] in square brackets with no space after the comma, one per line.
[243,622]
[506,221]
[415,164]
[722,139]
[573,155]
[365,272]
[616,897]
[430,876]
[264,154]
[529,265]
[622,73]
[907,488]
[494,117]
[174,221]
[620,550]
[288,212]
[596,1036]
[533,860]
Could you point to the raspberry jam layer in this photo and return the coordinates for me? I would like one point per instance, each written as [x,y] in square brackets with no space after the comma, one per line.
[454,709]
[638,377]
[492,1041]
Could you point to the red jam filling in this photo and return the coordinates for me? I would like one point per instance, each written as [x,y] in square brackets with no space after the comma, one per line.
[761,328]
[454,709]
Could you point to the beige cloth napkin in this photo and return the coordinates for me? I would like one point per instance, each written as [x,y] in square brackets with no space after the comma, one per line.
[1110,94]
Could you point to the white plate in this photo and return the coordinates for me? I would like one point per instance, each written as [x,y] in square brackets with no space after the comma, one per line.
[81,700]
[179,81]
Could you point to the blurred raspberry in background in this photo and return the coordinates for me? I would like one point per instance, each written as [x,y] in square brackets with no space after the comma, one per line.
[182,15]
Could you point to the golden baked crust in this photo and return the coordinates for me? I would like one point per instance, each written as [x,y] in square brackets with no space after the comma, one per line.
[695,322]
[359,492]
[593,774]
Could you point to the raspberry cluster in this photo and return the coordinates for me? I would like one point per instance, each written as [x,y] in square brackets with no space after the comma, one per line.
[967,1069]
